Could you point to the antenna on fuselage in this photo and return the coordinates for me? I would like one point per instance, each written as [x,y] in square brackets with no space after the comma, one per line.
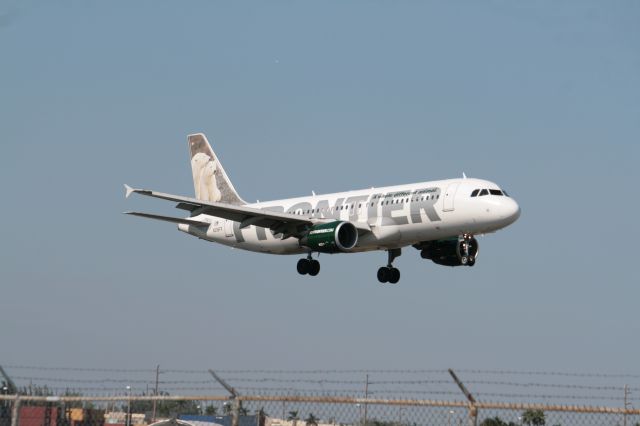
[464,176]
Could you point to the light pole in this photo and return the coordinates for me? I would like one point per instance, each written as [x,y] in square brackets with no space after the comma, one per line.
[359,413]
[450,414]
[128,422]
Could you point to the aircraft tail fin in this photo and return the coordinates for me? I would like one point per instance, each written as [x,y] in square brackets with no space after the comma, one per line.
[210,181]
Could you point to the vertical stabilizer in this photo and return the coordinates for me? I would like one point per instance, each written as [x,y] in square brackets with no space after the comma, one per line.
[209,178]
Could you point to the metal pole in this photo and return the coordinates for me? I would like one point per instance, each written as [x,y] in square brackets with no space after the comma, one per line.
[11,387]
[235,413]
[155,393]
[15,412]
[473,409]
[366,396]
[626,404]
[129,407]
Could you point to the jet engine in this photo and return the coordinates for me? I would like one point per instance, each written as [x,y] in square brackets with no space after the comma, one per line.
[332,237]
[450,252]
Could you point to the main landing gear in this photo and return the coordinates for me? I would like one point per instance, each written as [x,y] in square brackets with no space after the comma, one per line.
[389,274]
[308,266]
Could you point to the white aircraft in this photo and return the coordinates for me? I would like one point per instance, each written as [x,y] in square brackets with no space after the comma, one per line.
[439,218]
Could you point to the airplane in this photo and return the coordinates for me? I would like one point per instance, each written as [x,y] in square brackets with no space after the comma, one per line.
[440,218]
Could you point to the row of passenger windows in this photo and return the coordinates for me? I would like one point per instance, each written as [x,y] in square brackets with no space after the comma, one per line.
[482,192]
[382,203]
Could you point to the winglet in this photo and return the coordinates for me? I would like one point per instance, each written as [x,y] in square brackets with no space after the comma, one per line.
[129,190]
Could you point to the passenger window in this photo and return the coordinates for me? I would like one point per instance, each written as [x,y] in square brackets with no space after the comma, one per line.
[484,192]
[475,193]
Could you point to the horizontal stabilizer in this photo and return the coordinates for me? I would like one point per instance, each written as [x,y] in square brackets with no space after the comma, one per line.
[279,222]
[128,190]
[169,219]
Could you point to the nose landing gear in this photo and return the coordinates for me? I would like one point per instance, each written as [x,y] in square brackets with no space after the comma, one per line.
[308,266]
[468,250]
[389,274]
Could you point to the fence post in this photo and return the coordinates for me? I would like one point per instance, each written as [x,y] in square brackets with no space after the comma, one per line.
[473,415]
[235,412]
[15,412]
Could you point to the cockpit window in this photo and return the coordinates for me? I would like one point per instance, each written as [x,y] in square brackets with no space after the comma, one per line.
[475,193]
[484,192]
[495,192]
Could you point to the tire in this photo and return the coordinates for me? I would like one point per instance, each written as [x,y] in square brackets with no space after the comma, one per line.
[383,274]
[303,266]
[472,261]
[394,276]
[314,268]
[464,260]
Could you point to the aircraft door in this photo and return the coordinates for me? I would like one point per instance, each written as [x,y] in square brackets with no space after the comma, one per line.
[228,228]
[449,197]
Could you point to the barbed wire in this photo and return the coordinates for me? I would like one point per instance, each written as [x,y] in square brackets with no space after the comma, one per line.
[331,371]
[382,384]
[327,381]
[552,373]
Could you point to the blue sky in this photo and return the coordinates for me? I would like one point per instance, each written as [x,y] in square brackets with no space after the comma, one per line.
[541,97]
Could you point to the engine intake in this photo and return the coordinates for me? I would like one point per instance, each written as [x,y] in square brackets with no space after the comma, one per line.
[332,237]
[450,252]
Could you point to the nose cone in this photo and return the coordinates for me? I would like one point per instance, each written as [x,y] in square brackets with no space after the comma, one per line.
[509,211]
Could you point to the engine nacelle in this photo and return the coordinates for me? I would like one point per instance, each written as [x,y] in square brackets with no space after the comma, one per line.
[450,252]
[332,237]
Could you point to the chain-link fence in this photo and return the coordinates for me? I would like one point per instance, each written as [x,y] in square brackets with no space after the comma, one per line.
[48,396]
[21,410]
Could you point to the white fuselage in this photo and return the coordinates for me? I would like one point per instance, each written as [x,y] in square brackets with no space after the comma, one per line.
[398,216]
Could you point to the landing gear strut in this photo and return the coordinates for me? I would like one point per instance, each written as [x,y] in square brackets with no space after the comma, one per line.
[389,274]
[308,266]
[468,250]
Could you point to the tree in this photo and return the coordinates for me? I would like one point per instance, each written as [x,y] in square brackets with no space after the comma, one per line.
[311,420]
[534,418]
[293,417]
[496,421]
[211,410]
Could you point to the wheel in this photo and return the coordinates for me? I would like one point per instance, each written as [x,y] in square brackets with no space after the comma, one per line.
[383,274]
[394,275]
[472,261]
[303,266]
[464,260]
[314,268]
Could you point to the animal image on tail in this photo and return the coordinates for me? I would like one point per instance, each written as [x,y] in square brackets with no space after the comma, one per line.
[204,178]
[209,178]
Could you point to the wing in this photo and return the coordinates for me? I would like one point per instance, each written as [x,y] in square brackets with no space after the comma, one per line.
[286,224]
